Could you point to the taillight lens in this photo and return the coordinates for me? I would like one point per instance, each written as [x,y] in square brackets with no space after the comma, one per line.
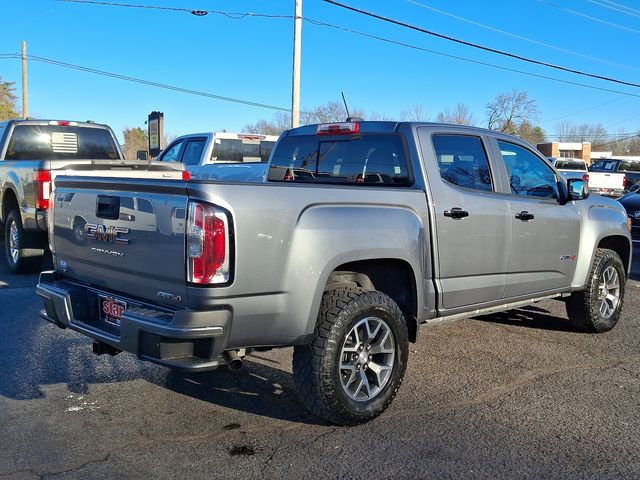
[186,176]
[207,245]
[585,177]
[42,187]
[342,128]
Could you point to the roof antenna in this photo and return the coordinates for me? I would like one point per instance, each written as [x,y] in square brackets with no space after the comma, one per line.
[345,104]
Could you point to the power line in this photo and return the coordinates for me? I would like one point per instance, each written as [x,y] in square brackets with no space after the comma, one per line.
[480,47]
[464,59]
[621,6]
[520,37]
[614,7]
[149,82]
[615,141]
[623,121]
[586,109]
[595,19]
[200,13]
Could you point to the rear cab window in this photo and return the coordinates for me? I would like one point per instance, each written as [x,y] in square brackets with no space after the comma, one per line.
[52,142]
[570,165]
[378,159]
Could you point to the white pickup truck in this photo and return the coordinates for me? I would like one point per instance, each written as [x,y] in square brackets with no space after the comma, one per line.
[240,157]
[613,177]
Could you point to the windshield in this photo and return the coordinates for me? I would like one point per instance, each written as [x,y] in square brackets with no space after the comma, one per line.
[232,150]
[51,142]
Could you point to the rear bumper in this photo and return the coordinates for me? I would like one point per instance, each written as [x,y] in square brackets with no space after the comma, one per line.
[606,192]
[184,339]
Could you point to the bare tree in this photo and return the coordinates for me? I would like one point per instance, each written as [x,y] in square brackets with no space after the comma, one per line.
[585,132]
[329,112]
[460,115]
[509,110]
[415,113]
[278,123]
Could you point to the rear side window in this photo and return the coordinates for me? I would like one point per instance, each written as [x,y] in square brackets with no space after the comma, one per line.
[193,151]
[463,161]
[50,142]
[369,159]
[144,206]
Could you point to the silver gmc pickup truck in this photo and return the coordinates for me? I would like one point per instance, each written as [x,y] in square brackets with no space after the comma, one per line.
[361,232]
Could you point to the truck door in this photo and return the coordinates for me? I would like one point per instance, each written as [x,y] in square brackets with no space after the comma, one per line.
[544,234]
[471,218]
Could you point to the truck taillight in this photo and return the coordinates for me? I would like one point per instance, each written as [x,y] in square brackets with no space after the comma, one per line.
[208,255]
[42,187]
[585,177]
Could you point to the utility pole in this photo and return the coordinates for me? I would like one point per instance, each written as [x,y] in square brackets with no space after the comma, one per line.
[25,94]
[295,91]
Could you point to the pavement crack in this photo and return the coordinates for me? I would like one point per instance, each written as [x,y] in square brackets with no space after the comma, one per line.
[102,459]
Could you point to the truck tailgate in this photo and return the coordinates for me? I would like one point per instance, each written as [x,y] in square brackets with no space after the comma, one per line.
[125,237]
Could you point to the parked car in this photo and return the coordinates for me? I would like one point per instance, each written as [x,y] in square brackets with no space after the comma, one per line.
[238,157]
[32,154]
[631,203]
[458,221]
[570,167]
[613,177]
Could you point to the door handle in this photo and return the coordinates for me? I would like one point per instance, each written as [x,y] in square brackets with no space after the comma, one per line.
[524,216]
[456,212]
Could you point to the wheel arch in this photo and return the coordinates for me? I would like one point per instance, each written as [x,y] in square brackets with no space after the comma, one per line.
[621,245]
[393,277]
[9,201]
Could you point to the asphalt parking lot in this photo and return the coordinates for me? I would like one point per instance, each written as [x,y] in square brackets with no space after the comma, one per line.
[513,395]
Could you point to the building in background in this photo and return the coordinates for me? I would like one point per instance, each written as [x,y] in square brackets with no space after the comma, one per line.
[577,150]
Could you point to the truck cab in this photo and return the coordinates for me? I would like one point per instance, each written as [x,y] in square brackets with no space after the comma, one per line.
[222,155]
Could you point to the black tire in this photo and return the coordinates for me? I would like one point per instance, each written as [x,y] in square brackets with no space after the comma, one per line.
[316,366]
[585,308]
[27,251]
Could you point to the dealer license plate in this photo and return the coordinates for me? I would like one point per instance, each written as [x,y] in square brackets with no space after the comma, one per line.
[111,309]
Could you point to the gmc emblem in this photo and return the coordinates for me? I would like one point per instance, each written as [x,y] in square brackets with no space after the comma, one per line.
[103,233]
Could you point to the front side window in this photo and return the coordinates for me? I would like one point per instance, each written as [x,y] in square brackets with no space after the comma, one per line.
[528,174]
[173,153]
[463,161]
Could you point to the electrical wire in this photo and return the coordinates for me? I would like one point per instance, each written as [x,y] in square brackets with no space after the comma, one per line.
[147,82]
[615,141]
[614,7]
[621,6]
[587,109]
[595,19]
[520,37]
[464,59]
[480,47]
[197,12]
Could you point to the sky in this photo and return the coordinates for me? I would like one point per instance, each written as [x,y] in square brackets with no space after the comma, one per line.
[250,58]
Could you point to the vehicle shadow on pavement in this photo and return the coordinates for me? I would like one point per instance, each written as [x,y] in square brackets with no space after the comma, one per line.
[257,389]
[529,317]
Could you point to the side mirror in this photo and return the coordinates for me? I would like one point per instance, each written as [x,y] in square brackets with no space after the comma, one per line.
[578,189]
[563,192]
